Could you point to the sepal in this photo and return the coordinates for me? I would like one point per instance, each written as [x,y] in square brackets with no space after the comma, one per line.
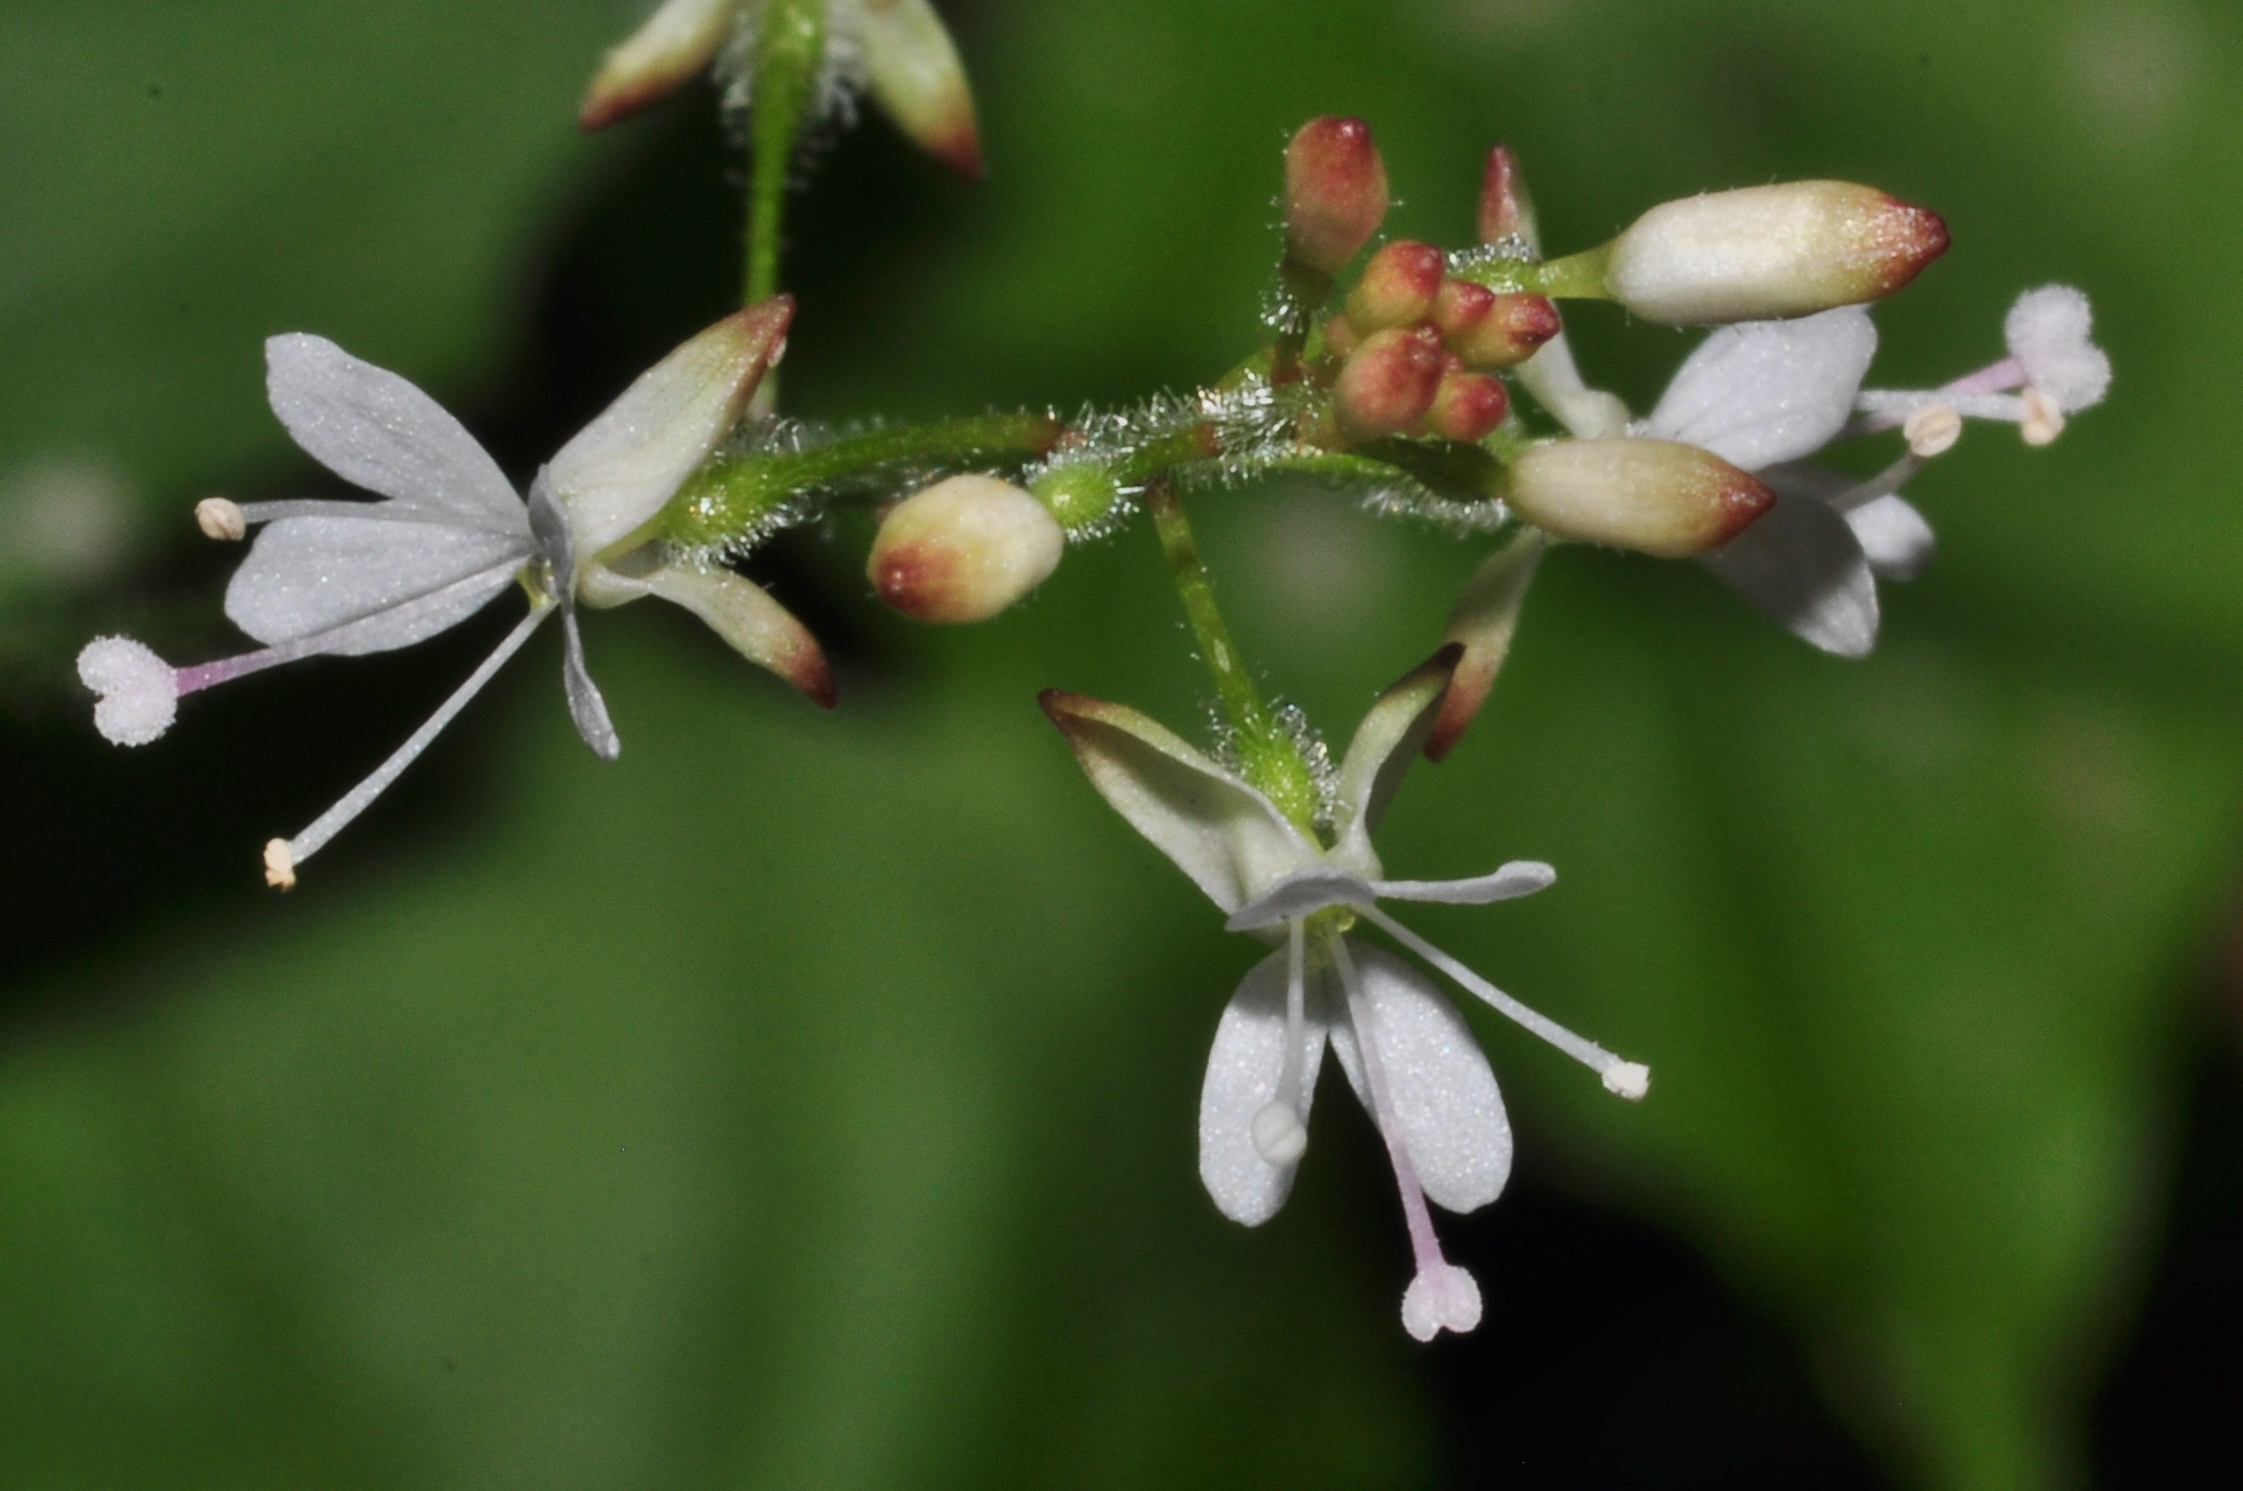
[676,42]
[913,73]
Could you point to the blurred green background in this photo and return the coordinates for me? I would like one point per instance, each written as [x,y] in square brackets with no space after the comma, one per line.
[809,1100]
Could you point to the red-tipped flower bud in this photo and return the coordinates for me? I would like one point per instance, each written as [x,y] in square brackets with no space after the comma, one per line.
[963,550]
[1765,252]
[1488,330]
[1504,212]
[1399,287]
[1335,192]
[1659,496]
[1467,407]
[1388,385]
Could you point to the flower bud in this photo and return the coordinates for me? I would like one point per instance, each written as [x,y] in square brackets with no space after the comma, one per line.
[963,550]
[1504,210]
[1467,407]
[1764,252]
[912,71]
[676,42]
[1399,287]
[1488,330]
[1388,384]
[1659,496]
[1335,192]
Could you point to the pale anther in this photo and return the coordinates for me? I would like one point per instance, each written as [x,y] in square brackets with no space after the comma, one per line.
[280,865]
[1279,1136]
[221,518]
[1932,429]
[2044,418]
[1628,1079]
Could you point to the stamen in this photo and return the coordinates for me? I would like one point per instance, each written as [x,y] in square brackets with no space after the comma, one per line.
[1884,484]
[1441,1295]
[359,798]
[1932,430]
[221,518]
[280,865]
[1587,1052]
[1279,1134]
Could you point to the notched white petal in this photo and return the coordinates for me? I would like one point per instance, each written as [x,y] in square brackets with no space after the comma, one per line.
[1896,538]
[1760,392]
[1520,877]
[1445,1098]
[308,575]
[1801,564]
[376,430]
[1243,1070]
[1230,839]
[623,466]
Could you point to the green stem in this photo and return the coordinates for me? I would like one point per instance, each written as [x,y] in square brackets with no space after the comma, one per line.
[790,45]
[1575,277]
[730,496]
[1271,761]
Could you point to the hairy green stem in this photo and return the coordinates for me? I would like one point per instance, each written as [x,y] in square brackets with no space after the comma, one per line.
[790,46]
[731,496]
[1270,760]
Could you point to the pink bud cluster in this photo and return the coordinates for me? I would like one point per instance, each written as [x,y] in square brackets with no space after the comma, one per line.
[1412,349]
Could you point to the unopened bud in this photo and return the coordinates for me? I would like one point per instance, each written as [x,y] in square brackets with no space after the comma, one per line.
[1932,429]
[2044,417]
[963,550]
[221,518]
[1504,210]
[1083,496]
[676,42]
[912,71]
[1659,496]
[1388,384]
[1399,287]
[1467,407]
[1341,337]
[1488,330]
[1335,192]
[1764,252]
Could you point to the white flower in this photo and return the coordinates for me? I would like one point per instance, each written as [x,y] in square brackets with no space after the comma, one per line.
[897,50]
[347,578]
[1408,1054]
[1763,395]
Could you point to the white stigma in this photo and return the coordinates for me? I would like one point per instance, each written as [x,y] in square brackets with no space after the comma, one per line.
[1442,1297]
[280,865]
[1629,1079]
[1932,429]
[221,518]
[1278,1134]
[2047,331]
[139,691]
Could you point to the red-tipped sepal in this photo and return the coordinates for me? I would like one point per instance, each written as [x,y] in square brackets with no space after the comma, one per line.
[1658,496]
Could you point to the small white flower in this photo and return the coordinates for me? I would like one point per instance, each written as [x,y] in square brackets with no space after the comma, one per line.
[346,578]
[1403,1047]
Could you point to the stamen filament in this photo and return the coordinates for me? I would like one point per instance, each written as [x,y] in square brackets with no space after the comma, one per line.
[1587,1052]
[360,797]
[1296,1017]
[1425,1244]
[1886,482]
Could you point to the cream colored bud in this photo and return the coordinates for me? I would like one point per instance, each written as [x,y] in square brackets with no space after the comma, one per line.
[221,518]
[1659,496]
[1932,430]
[964,549]
[1765,252]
